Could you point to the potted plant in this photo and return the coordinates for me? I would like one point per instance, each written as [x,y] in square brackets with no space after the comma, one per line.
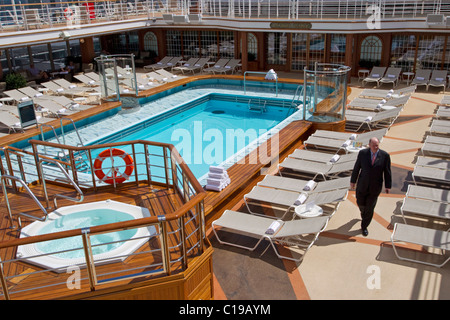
[15,81]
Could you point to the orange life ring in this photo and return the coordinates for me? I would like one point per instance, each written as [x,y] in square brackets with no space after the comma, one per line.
[68,14]
[117,178]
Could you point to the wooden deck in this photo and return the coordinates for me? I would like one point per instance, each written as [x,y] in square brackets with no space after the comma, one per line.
[158,201]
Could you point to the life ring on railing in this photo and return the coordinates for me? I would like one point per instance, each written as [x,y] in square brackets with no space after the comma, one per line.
[68,13]
[117,176]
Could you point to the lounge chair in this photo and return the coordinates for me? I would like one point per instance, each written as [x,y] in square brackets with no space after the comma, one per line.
[314,169]
[422,77]
[217,66]
[94,76]
[195,18]
[431,175]
[376,104]
[440,127]
[170,76]
[436,147]
[230,66]
[425,208]
[159,64]
[86,80]
[438,79]
[371,120]
[10,122]
[437,163]
[287,200]
[17,95]
[72,86]
[334,135]
[198,66]
[335,145]
[445,101]
[58,90]
[426,237]
[427,193]
[375,75]
[387,94]
[288,232]
[443,112]
[188,63]
[392,75]
[153,76]
[307,186]
[322,157]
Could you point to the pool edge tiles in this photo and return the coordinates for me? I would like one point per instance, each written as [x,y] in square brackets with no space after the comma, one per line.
[33,255]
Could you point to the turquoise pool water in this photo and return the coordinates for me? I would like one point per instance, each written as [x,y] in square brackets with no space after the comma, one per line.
[83,219]
[208,131]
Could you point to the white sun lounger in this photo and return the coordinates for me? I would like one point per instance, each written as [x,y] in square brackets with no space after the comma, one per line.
[425,208]
[376,104]
[276,232]
[287,200]
[430,175]
[445,101]
[198,66]
[335,145]
[443,112]
[422,77]
[440,127]
[314,169]
[375,75]
[433,162]
[229,67]
[392,75]
[426,237]
[371,120]
[430,148]
[159,64]
[438,79]
[323,157]
[307,186]
[387,94]
[186,65]
[217,66]
[427,193]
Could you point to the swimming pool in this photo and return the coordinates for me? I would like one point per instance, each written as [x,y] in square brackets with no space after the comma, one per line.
[208,130]
[116,124]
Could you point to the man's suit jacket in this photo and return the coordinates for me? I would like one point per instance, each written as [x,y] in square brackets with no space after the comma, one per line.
[370,177]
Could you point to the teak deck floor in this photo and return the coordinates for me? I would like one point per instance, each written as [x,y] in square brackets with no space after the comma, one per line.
[158,201]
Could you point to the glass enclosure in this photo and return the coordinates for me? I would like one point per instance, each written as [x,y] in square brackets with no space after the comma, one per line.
[332,79]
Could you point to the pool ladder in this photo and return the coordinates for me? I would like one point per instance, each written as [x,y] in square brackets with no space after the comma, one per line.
[257,106]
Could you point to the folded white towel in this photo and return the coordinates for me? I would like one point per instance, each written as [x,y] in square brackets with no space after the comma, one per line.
[186,64]
[353,136]
[169,64]
[369,118]
[38,95]
[389,95]
[59,90]
[72,86]
[439,79]
[335,158]
[164,79]
[383,101]
[391,75]
[346,143]
[227,67]
[91,82]
[310,185]
[217,169]
[301,199]
[141,87]
[391,91]
[214,188]
[126,90]
[62,110]
[379,106]
[159,63]
[197,65]
[420,78]
[216,66]
[274,226]
[214,182]
[375,75]
[213,175]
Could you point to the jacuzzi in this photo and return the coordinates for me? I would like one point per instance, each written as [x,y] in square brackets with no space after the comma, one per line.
[84,216]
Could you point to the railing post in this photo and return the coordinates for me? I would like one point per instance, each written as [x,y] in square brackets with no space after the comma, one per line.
[164,244]
[87,254]
[3,281]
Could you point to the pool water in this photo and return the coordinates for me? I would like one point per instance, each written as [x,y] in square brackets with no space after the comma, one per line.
[207,133]
[84,219]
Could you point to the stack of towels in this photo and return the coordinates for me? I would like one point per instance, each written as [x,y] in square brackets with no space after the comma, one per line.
[217,179]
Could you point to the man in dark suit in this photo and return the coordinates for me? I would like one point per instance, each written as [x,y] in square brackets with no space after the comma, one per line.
[372,166]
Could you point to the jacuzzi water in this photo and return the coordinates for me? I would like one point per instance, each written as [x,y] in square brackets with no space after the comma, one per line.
[84,219]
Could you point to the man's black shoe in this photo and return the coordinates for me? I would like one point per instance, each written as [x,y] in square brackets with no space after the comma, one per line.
[365,232]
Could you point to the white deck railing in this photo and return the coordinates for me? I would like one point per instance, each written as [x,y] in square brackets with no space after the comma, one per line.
[48,15]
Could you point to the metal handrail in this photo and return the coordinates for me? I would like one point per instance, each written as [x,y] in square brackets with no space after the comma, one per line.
[30,193]
[258,72]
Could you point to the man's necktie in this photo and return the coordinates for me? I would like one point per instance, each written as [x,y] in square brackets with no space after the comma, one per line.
[373,158]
